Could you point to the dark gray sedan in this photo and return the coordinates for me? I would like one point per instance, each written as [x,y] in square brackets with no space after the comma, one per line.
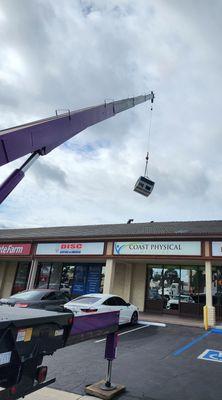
[36,298]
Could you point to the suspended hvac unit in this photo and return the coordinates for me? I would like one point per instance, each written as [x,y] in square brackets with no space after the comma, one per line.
[144,186]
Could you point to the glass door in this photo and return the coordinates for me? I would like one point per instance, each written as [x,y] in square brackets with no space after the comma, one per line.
[93,279]
[192,293]
[87,279]
[154,291]
[80,280]
[21,277]
[180,290]
[217,291]
[43,275]
[171,289]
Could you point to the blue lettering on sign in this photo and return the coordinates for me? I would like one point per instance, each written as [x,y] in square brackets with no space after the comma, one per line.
[211,355]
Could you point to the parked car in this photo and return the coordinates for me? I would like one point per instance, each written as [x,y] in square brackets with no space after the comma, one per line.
[36,298]
[173,303]
[97,302]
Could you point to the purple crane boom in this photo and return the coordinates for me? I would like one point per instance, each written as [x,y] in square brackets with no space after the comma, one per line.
[40,137]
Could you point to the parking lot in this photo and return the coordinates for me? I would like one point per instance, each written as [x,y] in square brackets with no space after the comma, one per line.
[153,362]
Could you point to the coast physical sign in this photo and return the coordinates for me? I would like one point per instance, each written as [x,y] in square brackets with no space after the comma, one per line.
[158,248]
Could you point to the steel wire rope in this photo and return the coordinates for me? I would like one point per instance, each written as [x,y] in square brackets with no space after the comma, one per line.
[148,142]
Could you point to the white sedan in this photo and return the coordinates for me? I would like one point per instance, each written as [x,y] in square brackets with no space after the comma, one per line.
[96,302]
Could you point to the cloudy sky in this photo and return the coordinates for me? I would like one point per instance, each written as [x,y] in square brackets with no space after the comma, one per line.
[76,53]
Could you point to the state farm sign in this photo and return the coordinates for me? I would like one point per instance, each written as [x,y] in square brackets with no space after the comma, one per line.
[9,249]
[76,248]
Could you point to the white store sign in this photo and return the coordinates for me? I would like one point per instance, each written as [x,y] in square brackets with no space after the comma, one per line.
[158,248]
[217,249]
[69,249]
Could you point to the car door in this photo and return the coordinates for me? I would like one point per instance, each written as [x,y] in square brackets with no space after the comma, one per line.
[125,311]
[114,303]
[110,305]
[53,298]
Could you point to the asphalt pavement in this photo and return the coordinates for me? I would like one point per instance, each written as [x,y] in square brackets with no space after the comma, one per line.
[153,362]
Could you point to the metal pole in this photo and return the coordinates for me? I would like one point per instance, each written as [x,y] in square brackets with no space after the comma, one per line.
[108,375]
[110,355]
[108,385]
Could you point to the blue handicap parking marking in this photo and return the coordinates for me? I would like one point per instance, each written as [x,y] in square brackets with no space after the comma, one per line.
[211,355]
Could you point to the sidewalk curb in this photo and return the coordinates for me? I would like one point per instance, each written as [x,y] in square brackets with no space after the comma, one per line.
[55,394]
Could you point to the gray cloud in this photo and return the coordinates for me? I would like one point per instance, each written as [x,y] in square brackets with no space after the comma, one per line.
[76,54]
[44,173]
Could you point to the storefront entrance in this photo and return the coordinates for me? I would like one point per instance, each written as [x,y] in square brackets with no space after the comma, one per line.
[175,290]
[86,279]
[75,279]
[21,277]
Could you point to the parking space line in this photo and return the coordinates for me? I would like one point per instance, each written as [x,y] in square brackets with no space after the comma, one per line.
[216,330]
[152,323]
[192,343]
[124,333]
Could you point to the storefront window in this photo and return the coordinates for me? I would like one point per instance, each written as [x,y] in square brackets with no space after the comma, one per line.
[43,275]
[74,279]
[155,283]
[55,276]
[67,277]
[102,279]
[21,277]
[217,286]
[176,289]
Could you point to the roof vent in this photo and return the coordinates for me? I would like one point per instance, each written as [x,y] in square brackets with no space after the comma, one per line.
[130,220]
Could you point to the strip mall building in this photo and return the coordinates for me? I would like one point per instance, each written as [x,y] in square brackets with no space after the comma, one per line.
[170,267]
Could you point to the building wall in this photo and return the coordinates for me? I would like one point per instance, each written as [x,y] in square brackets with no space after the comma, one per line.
[119,279]
[130,283]
[7,276]
[138,285]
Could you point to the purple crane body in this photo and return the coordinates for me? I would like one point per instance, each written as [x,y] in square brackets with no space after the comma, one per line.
[10,183]
[44,135]
[90,326]
[111,346]
[93,322]
[40,137]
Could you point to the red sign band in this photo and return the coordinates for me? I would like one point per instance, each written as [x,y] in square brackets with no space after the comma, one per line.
[15,249]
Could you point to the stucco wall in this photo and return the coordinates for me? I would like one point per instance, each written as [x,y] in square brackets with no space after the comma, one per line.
[119,279]
[138,285]
[130,283]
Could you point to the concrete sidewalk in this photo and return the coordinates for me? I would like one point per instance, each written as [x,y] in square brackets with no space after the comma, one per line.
[54,394]
[171,319]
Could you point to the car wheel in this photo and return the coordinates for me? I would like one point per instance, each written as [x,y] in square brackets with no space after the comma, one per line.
[134,318]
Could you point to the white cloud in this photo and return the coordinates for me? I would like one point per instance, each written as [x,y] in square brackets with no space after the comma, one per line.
[76,54]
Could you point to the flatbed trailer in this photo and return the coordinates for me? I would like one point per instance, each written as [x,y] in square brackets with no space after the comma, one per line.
[27,335]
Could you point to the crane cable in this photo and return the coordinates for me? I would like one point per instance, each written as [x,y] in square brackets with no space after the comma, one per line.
[148,141]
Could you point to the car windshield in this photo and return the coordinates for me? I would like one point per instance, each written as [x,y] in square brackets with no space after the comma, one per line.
[29,295]
[85,300]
